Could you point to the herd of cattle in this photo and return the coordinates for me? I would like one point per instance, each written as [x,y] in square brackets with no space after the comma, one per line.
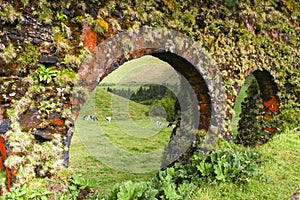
[108,119]
[95,118]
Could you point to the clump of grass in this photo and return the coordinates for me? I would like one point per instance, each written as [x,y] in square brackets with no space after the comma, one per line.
[8,53]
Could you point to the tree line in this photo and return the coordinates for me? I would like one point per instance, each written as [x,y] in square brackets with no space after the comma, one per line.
[152,94]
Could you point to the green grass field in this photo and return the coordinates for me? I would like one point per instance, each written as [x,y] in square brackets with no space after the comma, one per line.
[280,165]
[136,133]
[133,134]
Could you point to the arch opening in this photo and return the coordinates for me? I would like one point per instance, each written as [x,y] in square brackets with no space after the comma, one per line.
[200,101]
[192,108]
[256,109]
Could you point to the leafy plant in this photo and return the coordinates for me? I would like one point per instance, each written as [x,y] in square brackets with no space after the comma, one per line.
[38,194]
[168,184]
[16,193]
[223,165]
[129,190]
[79,186]
[172,184]
[79,183]
[49,106]
[45,74]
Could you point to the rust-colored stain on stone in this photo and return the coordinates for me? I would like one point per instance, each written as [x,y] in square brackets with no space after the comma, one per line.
[55,119]
[272,104]
[271,130]
[89,38]
[268,116]
[10,173]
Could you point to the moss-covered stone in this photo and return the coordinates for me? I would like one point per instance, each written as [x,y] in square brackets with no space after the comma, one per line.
[240,36]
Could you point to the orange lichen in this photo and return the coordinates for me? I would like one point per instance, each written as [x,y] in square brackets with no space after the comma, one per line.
[268,116]
[2,153]
[271,130]
[89,38]
[57,122]
[272,104]
[10,173]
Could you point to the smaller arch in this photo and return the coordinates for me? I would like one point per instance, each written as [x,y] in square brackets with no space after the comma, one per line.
[258,109]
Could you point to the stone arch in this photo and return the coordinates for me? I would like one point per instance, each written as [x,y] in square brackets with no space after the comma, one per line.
[267,91]
[184,55]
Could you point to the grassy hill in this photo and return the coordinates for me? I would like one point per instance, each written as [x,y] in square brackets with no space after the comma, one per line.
[147,69]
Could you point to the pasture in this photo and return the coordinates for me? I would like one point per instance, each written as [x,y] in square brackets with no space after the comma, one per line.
[133,130]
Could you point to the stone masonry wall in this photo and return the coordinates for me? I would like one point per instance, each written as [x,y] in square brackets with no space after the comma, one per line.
[52,55]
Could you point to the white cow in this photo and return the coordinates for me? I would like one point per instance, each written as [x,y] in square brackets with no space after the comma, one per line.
[158,123]
[108,119]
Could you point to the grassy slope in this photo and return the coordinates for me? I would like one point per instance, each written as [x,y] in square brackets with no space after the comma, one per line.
[82,161]
[280,163]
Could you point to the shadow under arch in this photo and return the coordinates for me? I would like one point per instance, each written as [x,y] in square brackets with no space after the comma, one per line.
[258,109]
[204,112]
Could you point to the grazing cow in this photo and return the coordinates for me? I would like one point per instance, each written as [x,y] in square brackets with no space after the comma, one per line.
[86,117]
[94,118]
[108,119]
[90,117]
[158,123]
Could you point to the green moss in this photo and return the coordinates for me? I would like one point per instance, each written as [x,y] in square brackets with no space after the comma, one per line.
[61,43]
[45,14]
[29,57]
[8,13]
[66,77]
[8,54]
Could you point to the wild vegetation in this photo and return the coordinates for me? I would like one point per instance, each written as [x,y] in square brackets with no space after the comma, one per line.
[230,171]
[240,36]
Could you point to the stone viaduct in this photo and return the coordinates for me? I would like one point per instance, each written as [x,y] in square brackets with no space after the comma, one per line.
[215,45]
